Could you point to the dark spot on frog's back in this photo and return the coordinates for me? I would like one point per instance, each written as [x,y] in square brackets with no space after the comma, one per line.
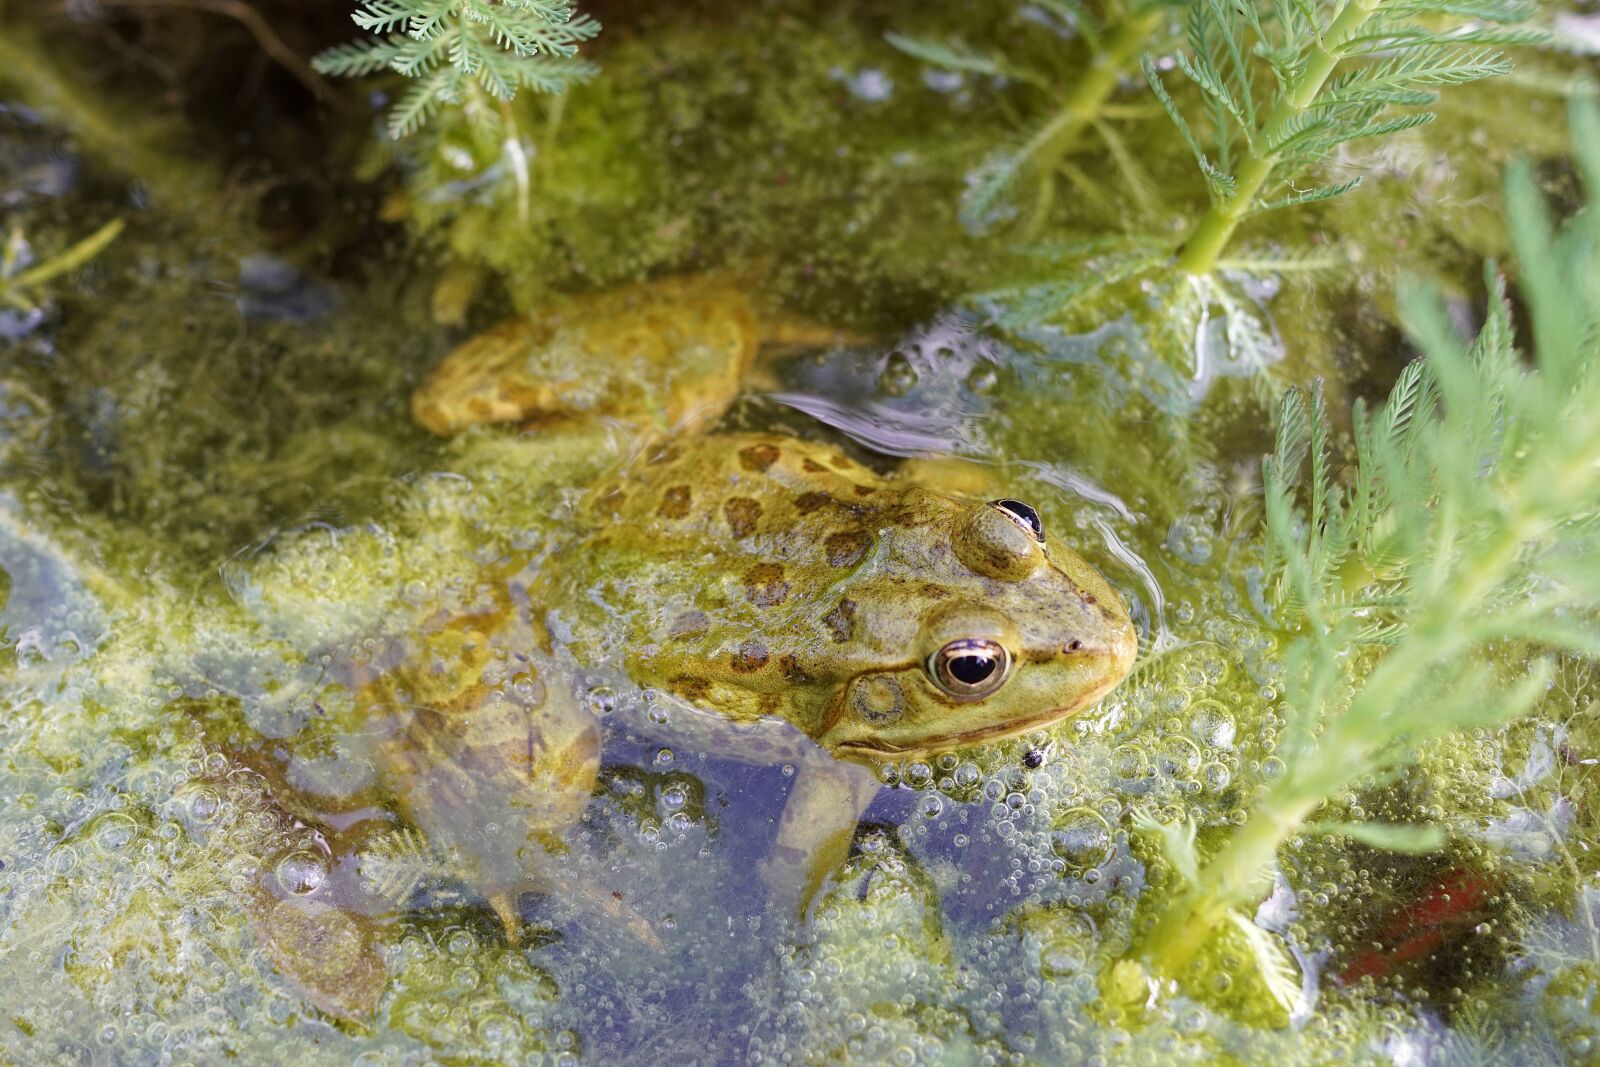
[758,458]
[660,454]
[841,621]
[806,503]
[751,657]
[811,466]
[675,502]
[764,585]
[792,671]
[742,514]
[845,548]
[690,688]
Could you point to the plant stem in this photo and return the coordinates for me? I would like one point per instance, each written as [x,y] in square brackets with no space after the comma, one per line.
[1213,231]
[1085,103]
[1088,97]
[1232,876]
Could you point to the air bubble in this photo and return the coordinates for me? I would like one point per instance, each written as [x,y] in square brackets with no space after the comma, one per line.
[113,832]
[898,377]
[301,873]
[1082,838]
[983,379]
[1210,724]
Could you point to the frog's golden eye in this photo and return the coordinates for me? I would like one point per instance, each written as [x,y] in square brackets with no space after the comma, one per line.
[1021,514]
[970,668]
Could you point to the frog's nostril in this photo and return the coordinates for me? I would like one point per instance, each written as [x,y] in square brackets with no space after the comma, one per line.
[1072,646]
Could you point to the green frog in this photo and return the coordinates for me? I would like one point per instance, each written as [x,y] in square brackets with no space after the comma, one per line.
[780,602]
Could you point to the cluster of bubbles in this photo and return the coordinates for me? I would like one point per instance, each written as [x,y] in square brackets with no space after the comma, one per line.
[873,980]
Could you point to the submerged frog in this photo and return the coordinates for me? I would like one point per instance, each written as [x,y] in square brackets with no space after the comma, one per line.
[789,604]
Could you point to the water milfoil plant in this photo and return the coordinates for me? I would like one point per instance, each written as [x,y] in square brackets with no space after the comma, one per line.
[458,50]
[1469,520]
[1115,36]
[1281,89]
[1284,86]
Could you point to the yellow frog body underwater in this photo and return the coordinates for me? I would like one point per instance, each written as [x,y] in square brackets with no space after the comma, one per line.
[791,604]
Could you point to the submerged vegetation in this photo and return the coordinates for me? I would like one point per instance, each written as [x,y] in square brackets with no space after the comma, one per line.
[1467,521]
[1344,809]
[1114,40]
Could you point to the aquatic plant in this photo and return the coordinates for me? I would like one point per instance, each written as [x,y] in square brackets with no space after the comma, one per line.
[1115,37]
[1340,72]
[455,48]
[1468,522]
[1282,90]
[20,280]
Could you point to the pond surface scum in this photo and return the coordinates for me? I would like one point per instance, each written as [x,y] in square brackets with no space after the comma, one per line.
[756,548]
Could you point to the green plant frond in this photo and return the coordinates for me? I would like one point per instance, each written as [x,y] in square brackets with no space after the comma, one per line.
[447,45]
[1303,130]
[1176,840]
[382,16]
[397,864]
[984,201]
[1210,82]
[1153,76]
[421,100]
[1221,184]
[1487,10]
[429,18]
[1277,971]
[1289,262]
[1309,196]
[1027,305]
[357,58]
[556,75]
[1391,837]
[955,54]
[413,58]
[1402,78]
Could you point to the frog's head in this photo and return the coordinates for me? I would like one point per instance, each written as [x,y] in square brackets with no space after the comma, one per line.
[1009,631]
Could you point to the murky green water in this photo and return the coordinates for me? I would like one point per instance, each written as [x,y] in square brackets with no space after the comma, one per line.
[213,501]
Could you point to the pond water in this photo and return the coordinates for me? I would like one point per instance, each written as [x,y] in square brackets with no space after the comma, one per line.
[219,525]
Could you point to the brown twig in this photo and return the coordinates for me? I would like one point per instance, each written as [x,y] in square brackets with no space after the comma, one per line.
[259,28]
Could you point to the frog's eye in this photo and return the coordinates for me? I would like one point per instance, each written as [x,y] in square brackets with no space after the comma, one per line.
[1021,514]
[971,668]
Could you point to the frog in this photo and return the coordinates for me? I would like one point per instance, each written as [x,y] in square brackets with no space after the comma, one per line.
[780,601]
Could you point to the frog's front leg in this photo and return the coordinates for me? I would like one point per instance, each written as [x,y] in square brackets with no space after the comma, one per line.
[816,828]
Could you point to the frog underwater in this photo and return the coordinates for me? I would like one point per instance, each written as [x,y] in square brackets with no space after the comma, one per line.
[787,603]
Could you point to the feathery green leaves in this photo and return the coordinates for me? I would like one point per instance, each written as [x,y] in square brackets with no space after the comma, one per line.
[455,47]
[1284,84]
[1469,518]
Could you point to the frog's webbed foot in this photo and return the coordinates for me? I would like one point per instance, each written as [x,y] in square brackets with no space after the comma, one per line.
[816,829]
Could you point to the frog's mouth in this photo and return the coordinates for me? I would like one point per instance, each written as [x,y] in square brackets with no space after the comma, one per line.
[881,749]
[888,750]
